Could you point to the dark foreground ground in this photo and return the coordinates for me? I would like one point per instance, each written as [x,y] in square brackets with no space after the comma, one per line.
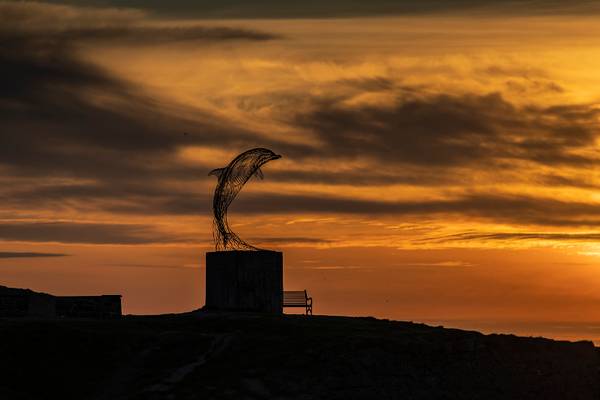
[247,356]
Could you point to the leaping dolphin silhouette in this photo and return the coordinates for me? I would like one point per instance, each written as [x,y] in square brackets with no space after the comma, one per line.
[231,179]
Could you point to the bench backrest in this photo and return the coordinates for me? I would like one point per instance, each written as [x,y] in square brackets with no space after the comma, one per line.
[294,297]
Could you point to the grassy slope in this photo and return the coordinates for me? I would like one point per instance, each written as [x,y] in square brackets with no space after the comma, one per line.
[241,356]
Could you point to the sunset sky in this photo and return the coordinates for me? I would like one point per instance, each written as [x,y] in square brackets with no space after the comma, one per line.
[440,159]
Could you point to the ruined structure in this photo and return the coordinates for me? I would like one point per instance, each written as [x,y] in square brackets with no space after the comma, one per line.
[27,303]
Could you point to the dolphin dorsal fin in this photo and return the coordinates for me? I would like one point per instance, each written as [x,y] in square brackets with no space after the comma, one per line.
[259,174]
[217,172]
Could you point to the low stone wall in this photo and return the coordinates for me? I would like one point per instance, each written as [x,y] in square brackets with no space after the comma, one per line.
[106,306]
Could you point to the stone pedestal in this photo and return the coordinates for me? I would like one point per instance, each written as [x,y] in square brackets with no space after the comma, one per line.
[244,281]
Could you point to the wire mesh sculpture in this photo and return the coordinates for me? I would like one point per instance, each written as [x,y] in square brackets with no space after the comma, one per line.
[231,179]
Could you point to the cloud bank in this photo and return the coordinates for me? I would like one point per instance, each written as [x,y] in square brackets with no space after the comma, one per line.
[96,143]
[347,8]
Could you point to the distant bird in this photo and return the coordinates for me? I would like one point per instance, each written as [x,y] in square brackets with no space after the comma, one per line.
[231,179]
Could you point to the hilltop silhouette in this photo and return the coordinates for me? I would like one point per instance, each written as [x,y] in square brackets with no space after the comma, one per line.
[204,355]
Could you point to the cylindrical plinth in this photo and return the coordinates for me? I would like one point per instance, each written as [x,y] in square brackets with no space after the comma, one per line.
[239,280]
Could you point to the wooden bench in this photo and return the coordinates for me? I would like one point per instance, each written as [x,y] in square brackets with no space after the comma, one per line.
[298,298]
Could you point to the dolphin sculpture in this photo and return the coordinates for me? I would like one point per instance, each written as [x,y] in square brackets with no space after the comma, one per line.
[231,179]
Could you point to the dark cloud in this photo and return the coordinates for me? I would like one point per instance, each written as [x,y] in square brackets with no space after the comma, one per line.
[447,131]
[511,236]
[122,195]
[367,177]
[345,8]
[533,86]
[84,233]
[518,210]
[149,200]
[55,23]
[145,35]
[556,180]
[53,123]
[290,240]
[147,197]
[151,266]
[368,84]
[14,254]
[118,195]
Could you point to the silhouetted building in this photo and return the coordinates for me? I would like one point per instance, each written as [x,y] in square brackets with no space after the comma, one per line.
[27,303]
[240,280]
